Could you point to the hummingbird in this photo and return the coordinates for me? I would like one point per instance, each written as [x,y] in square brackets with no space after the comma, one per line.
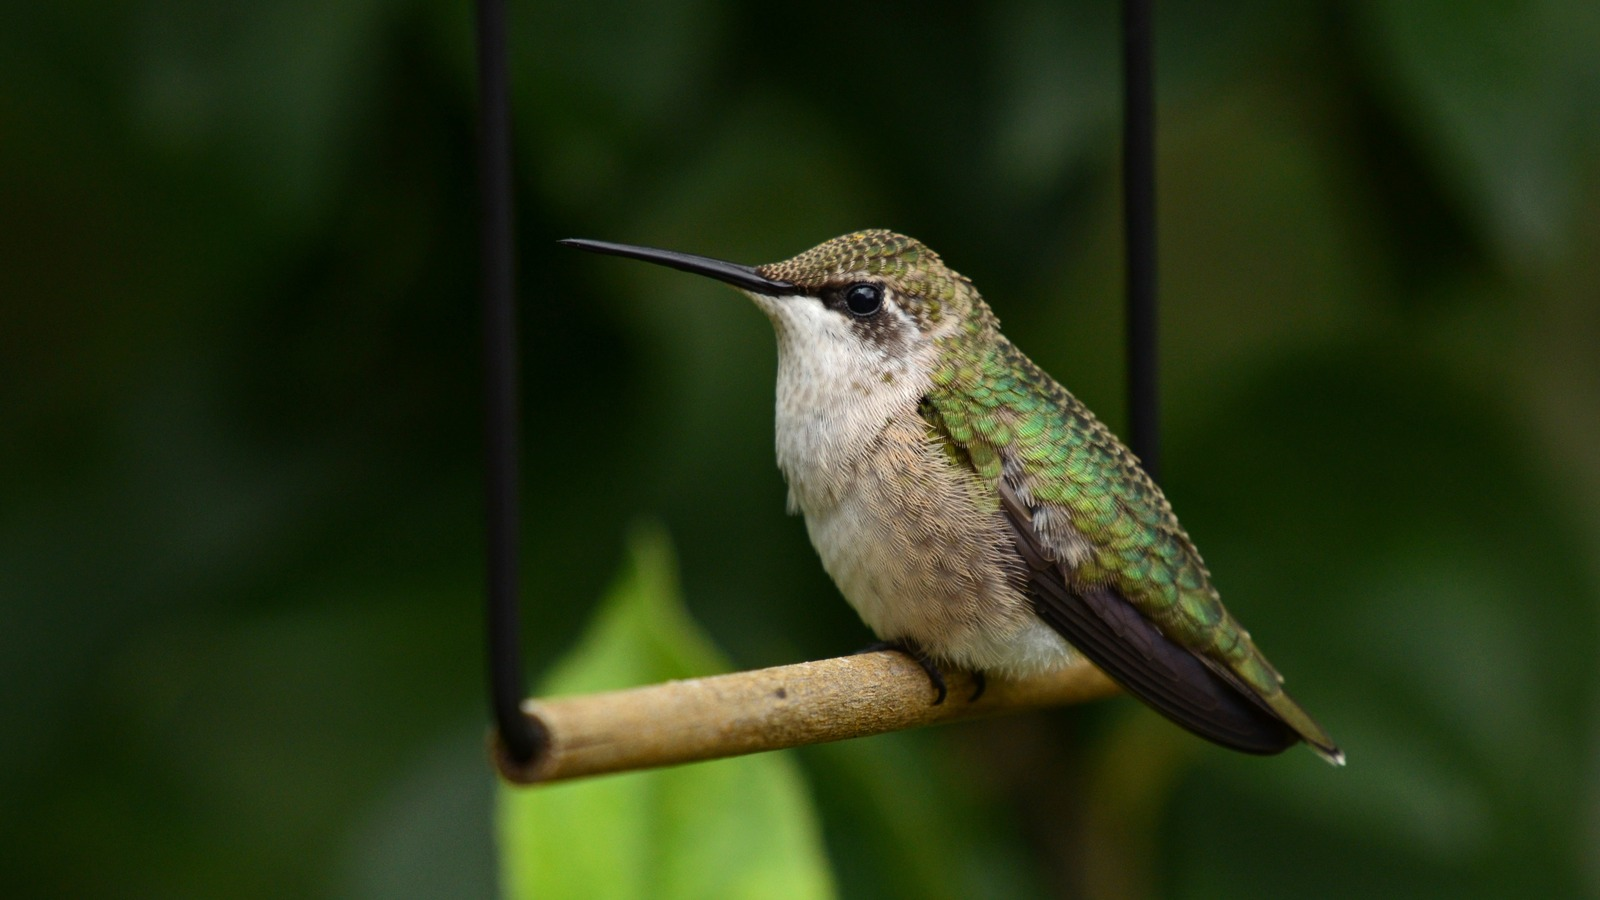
[973,512]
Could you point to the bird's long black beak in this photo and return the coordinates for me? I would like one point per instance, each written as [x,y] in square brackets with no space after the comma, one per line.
[744,277]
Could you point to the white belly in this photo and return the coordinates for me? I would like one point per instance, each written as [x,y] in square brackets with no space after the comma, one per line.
[914,543]
[919,550]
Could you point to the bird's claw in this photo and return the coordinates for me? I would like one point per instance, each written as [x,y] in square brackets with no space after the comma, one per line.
[935,677]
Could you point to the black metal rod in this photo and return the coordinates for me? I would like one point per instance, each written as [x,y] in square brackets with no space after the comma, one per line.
[501,443]
[1139,224]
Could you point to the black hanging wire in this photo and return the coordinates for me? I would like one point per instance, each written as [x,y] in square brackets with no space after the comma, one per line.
[1139,229]
[517,734]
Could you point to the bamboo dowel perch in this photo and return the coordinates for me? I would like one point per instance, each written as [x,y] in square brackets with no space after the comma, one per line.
[768,709]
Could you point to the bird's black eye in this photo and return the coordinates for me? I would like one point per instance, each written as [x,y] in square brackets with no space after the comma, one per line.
[863,299]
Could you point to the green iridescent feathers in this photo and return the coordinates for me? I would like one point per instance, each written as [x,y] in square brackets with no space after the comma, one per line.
[1012,419]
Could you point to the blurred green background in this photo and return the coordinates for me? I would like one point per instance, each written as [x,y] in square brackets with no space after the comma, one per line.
[239,527]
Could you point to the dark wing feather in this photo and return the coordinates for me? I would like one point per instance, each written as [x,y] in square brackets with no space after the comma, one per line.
[1107,629]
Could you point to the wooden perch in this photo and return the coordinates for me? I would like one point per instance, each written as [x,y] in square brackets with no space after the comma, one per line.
[768,709]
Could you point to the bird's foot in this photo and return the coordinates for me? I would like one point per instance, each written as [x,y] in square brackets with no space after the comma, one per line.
[935,676]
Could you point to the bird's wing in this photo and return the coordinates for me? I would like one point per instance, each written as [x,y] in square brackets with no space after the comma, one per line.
[1092,528]
[1101,624]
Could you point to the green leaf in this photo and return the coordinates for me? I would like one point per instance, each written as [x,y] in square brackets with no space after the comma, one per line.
[732,828]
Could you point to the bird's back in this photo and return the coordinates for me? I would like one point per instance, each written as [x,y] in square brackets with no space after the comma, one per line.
[1095,511]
